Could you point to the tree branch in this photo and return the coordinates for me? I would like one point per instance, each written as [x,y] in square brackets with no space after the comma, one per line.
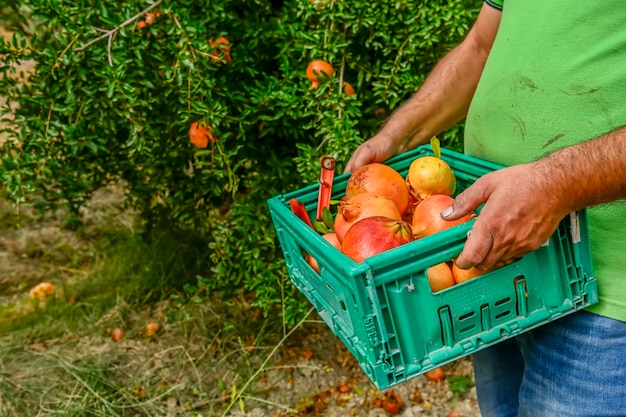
[116,29]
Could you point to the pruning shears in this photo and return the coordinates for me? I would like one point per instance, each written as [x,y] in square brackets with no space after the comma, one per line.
[327,175]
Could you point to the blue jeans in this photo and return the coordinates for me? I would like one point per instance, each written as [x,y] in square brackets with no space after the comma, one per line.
[573,367]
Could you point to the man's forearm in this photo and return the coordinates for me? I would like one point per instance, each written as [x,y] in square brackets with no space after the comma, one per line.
[442,101]
[445,96]
[586,174]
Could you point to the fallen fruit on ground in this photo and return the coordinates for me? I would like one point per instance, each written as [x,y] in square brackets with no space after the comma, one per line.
[318,71]
[436,374]
[427,218]
[374,235]
[379,179]
[392,403]
[117,334]
[152,328]
[361,206]
[440,277]
[41,290]
[200,135]
[333,240]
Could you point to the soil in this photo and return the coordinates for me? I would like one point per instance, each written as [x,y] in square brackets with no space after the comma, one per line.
[316,375]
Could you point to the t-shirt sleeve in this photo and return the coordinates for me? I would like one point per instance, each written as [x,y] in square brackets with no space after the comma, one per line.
[495,3]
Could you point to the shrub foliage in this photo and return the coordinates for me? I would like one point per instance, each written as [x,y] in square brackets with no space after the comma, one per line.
[117,85]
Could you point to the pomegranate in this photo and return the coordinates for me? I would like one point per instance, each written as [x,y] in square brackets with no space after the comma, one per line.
[462,275]
[430,175]
[41,290]
[361,206]
[220,49]
[407,215]
[374,235]
[333,240]
[201,135]
[149,18]
[440,277]
[427,218]
[436,374]
[152,328]
[117,334]
[348,89]
[380,179]
[318,71]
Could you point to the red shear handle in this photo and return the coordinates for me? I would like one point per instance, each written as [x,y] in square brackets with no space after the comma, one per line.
[326,184]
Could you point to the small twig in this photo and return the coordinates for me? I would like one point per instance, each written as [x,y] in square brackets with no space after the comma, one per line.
[341,71]
[109,48]
[45,134]
[262,367]
[395,65]
[66,269]
[189,92]
[261,400]
[117,28]
[69,45]
[98,29]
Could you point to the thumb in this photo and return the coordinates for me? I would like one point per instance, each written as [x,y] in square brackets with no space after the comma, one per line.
[464,203]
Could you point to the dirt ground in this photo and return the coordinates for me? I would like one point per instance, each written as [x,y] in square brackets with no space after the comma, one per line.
[314,376]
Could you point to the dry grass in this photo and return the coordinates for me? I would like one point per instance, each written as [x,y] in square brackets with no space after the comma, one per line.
[213,358]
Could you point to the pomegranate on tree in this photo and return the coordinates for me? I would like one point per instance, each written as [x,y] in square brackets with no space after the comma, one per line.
[379,179]
[427,218]
[200,135]
[318,71]
[361,206]
[348,89]
[373,235]
[220,49]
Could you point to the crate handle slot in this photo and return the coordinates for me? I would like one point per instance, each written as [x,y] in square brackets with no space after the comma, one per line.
[484,317]
[521,295]
[445,320]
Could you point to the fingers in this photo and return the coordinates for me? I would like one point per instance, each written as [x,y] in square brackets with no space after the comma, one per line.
[358,159]
[466,202]
[484,250]
[477,246]
[376,149]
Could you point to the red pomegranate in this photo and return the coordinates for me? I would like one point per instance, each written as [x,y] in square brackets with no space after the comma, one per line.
[374,235]
[200,135]
[220,49]
[361,206]
[318,71]
[427,218]
[379,179]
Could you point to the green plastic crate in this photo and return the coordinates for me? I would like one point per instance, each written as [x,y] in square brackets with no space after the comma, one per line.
[383,309]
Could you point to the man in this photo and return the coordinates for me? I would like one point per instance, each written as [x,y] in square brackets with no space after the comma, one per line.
[542,85]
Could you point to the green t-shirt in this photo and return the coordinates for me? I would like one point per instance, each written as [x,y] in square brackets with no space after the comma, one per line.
[556,76]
